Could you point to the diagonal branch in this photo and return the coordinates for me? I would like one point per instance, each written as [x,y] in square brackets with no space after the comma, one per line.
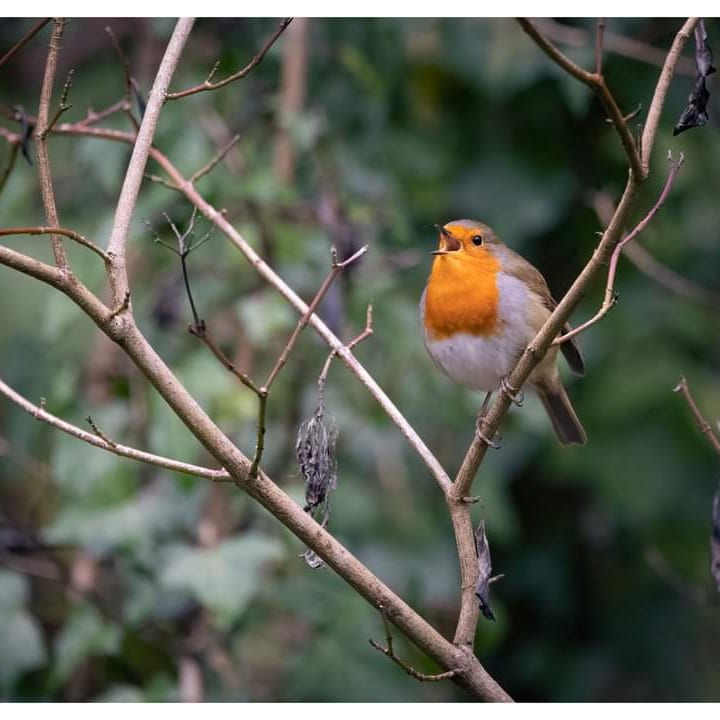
[469,672]
[41,131]
[544,338]
[610,296]
[703,424]
[239,75]
[20,44]
[596,82]
[98,440]
[663,83]
[142,144]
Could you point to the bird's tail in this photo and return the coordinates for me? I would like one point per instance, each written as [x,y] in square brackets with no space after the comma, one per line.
[565,422]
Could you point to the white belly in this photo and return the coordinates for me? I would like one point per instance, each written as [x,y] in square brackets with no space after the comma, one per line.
[479,362]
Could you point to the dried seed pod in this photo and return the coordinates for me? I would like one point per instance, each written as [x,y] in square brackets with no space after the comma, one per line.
[315,451]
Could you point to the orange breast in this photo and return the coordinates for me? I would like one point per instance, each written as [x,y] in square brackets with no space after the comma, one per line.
[462,296]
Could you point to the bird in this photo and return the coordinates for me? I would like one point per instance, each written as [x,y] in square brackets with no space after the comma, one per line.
[482,306]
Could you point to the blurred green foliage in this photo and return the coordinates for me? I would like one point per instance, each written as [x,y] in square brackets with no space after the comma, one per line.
[115,574]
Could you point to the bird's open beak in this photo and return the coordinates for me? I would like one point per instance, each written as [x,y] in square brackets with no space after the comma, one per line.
[449,243]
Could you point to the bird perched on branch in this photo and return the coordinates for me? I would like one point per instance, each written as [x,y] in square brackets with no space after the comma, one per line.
[482,307]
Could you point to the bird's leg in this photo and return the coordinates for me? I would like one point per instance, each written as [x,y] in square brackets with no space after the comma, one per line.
[479,422]
[516,396]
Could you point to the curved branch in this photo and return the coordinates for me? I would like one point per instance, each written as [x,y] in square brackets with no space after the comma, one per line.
[596,82]
[40,413]
[80,239]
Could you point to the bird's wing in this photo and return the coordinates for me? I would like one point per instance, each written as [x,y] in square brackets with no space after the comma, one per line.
[520,268]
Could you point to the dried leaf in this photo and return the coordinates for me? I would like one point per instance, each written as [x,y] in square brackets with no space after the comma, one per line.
[703,53]
[715,540]
[695,112]
[482,589]
[315,450]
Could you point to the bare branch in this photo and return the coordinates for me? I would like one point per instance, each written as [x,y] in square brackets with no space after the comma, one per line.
[390,652]
[544,338]
[471,675]
[599,39]
[610,296]
[663,83]
[98,439]
[596,82]
[703,424]
[612,42]
[41,130]
[80,239]
[342,351]
[20,44]
[205,169]
[12,158]
[337,268]
[138,160]
[64,106]
[208,85]
[93,117]
[653,268]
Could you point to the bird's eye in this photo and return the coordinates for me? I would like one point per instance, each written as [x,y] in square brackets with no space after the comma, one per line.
[477,240]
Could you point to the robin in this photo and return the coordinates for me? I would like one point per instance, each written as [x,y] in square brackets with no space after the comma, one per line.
[482,306]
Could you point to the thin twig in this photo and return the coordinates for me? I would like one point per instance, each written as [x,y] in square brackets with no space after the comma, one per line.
[534,353]
[472,675]
[275,281]
[599,39]
[610,296]
[41,129]
[64,106]
[93,117]
[205,169]
[646,263]
[703,424]
[161,181]
[98,439]
[366,333]
[596,82]
[264,390]
[390,652]
[20,44]
[208,85]
[613,43]
[12,157]
[337,268]
[130,83]
[71,234]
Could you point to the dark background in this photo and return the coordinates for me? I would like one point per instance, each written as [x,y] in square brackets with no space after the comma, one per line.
[120,581]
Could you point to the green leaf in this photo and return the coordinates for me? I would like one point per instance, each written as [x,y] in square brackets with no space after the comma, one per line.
[225,578]
[22,646]
[84,634]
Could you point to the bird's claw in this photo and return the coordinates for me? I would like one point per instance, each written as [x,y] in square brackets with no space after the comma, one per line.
[516,396]
[479,433]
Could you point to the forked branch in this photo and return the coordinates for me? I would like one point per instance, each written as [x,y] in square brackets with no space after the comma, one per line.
[610,295]
[207,84]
